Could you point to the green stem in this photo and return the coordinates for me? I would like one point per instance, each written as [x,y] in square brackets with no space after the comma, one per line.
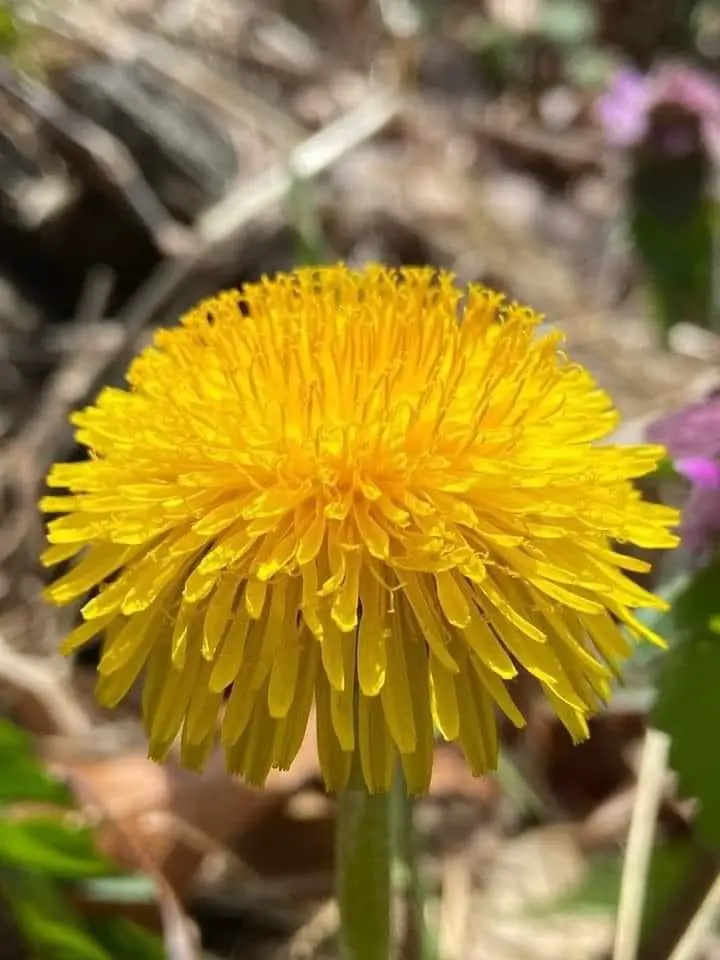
[418,943]
[364,856]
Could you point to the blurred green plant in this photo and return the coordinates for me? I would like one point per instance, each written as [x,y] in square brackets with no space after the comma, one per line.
[668,121]
[599,890]
[9,32]
[673,218]
[44,857]
[687,708]
[688,705]
[563,30]
[311,244]
[682,682]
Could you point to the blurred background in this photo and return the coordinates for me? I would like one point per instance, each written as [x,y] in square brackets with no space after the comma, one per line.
[564,151]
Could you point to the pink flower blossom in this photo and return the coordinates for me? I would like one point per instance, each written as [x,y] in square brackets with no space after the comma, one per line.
[625,109]
[692,437]
[702,472]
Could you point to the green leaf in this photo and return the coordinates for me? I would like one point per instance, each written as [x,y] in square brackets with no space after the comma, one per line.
[23,779]
[665,622]
[688,705]
[599,891]
[9,35]
[51,847]
[48,923]
[646,658]
[672,216]
[125,940]
[665,470]
[312,246]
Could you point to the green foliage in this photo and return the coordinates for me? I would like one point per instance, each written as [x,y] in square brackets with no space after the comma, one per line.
[665,470]
[599,891]
[122,938]
[23,780]
[50,846]
[49,925]
[43,856]
[9,34]
[673,219]
[688,705]
[312,246]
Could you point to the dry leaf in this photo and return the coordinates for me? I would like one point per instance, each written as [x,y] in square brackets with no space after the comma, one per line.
[174,815]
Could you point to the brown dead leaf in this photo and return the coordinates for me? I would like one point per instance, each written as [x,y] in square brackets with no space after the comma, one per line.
[40,696]
[584,775]
[298,839]
[180,936]
[164,809]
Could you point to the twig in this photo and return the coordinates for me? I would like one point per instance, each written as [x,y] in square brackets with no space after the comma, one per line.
[651,778]
[454,908]
[36,678]
[322,925]
[701,926]
[224,221]
[119,40]
[178,938]
[99,156]
[687,900]
[71,383]
[24,461]
[575,151]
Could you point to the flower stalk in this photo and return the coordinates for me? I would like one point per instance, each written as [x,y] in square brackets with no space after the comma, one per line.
[364,851]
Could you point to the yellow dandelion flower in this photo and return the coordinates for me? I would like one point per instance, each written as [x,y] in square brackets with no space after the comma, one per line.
[369,493]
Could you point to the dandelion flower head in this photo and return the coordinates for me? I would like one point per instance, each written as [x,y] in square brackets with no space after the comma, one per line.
[368,496]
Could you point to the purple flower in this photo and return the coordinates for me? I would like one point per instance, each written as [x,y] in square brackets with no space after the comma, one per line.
[692,438]
[695,92]
[702,472]
[701,521]
[692,432]
[625,109]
